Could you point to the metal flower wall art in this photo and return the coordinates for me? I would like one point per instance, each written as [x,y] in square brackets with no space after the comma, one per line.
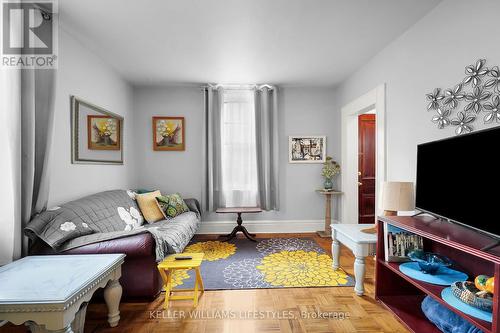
[479,92]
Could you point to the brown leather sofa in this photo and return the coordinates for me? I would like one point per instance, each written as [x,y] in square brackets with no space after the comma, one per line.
[140,278]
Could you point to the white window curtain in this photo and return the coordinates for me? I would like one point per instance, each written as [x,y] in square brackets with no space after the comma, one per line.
[239,152]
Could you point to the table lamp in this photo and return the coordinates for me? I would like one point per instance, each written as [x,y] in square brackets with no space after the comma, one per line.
[395,196]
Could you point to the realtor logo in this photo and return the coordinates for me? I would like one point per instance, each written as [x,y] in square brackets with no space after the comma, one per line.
[29,34]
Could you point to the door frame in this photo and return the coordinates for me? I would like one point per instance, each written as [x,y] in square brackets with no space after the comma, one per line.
[374,99]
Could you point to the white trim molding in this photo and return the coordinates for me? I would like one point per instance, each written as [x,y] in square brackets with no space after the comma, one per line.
[373,100]
[263,226]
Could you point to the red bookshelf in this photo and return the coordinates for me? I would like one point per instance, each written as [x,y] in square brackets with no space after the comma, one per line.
[403,295]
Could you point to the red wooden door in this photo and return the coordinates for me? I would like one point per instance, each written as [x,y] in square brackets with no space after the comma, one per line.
[366,168]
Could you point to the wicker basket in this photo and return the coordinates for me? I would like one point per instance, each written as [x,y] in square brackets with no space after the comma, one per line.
[466,292]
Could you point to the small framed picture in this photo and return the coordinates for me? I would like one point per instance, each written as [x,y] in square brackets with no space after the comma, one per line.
[306,149]
[168,134]
[103,132]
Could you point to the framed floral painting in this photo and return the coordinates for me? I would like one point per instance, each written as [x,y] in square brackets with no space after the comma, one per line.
[103,132]
[96,134]
[168,134]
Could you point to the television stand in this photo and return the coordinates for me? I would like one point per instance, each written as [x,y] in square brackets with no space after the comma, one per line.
[491,246]
[422,213]
[403,295]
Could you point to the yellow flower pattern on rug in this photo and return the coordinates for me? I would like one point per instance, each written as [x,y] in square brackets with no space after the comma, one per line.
[301,269]
[213,250]
[179,276]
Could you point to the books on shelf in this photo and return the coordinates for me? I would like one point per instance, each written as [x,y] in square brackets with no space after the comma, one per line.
[399,242]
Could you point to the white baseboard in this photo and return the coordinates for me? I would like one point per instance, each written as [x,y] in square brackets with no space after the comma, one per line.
[265,226]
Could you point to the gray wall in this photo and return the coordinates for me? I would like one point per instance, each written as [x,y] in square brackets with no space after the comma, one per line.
[85,75]
[433,53]
[303,111]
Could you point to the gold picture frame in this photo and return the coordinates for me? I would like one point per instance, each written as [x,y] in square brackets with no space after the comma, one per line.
[169,134]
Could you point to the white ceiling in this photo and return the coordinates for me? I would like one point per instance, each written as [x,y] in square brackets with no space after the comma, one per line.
[287,42]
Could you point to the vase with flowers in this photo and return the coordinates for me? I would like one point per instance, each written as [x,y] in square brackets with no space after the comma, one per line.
[329,171]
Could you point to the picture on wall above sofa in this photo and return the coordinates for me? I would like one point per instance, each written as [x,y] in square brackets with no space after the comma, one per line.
[96,134]
[103,132]
[306,149]
[168,134]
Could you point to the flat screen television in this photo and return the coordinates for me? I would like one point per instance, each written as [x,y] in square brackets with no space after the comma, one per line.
[458,179]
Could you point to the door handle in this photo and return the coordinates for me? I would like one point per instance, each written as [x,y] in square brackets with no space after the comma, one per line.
[360,183]
[359,173]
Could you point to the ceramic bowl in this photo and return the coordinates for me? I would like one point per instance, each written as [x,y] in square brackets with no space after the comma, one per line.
[429,262]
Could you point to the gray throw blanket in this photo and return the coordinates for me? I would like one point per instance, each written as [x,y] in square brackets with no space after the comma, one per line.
[110,215]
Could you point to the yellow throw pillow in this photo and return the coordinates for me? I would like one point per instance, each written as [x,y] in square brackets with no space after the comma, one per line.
[149,207]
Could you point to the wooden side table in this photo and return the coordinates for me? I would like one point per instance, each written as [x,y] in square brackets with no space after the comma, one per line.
[167,268]
[328,212]
[239,221]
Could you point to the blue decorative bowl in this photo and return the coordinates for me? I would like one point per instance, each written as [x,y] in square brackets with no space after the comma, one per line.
[429,262]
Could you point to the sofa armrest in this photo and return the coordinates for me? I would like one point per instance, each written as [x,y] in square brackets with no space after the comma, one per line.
[194,206]
[139,245]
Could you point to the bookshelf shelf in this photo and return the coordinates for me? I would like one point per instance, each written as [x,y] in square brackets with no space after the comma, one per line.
[403,295]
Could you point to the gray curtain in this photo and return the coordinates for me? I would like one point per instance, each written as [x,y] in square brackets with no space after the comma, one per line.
[37,113]
[266,112]
[212,186]
[266,107]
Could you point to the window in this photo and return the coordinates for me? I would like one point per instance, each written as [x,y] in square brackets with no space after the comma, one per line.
[239,151]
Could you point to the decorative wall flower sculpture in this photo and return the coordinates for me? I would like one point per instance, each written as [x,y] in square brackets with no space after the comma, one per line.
[476,98]
[475,73]
[442,118]
[495,81]
[435,97]
[463,122]
[483,94]
[492,111]
[453,96]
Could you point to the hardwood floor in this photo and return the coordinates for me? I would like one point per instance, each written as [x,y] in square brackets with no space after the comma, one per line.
[257,310]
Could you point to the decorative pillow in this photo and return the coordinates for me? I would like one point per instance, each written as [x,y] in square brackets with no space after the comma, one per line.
[149,207]
[133,193]
[143,191]
[172,205]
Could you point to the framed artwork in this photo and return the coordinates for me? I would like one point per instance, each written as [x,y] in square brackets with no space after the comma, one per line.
[103,132]
[168,134]
[306,149]
[96,134]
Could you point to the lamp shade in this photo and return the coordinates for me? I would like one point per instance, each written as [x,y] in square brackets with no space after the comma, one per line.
[398,196]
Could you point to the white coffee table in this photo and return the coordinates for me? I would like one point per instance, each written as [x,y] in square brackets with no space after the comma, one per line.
[50,293]
[361,244]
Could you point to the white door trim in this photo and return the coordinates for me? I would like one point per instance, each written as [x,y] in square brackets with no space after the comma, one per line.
[374,99]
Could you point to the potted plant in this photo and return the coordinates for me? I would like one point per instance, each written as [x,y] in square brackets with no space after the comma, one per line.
[329,171]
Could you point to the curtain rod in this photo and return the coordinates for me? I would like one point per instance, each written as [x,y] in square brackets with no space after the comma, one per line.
[240,86]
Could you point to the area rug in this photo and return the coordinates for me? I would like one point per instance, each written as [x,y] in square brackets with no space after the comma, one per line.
[268,263]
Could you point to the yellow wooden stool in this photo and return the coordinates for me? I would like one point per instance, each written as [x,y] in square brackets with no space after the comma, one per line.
[168,266]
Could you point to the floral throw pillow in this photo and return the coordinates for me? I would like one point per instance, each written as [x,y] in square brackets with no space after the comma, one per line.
[172,205]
